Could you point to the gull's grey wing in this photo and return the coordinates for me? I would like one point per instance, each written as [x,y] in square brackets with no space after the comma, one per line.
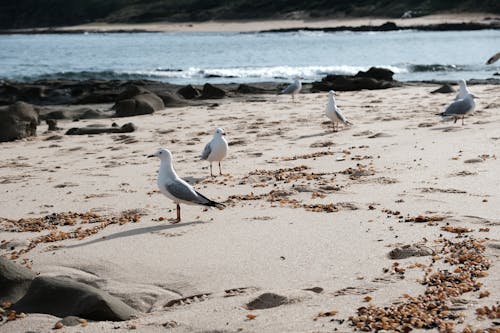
[185,193]
[340,115]
[206,152]
[458,107]
[290,89]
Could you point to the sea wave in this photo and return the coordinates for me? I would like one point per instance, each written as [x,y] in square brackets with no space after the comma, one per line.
[198,75]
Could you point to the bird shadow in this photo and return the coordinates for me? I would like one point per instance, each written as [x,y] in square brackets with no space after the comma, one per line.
[315,135]
[134,232]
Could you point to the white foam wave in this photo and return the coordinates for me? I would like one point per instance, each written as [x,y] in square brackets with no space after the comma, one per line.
[266,73]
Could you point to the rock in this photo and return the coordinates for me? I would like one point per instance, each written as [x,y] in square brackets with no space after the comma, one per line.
[61,297]
[96,97]
[377,74]
[374,78]
[132,91]
[145,102]
[126,128]
[71,321]
[52,123]
[212,92]
[189,92]
[444,89]
[414,250]
[171,100]
[267,301]
[246,89]
[14,280]
[17,121]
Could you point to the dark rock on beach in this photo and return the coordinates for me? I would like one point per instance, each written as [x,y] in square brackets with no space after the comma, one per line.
[126,128]
[374,78]
[18,121]
[61,297]
[444,89]
[189,92]
[247,89]
[212,92]
[14,280]
[137,101]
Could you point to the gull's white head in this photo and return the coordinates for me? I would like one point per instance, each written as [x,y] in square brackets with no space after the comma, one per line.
[331,93]
[462,83]
[163,154]
[219,132]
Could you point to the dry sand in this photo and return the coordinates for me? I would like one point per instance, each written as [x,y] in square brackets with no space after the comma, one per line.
[401,156]
[250,26]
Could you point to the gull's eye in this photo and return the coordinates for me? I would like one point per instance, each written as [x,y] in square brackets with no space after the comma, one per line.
[161,152]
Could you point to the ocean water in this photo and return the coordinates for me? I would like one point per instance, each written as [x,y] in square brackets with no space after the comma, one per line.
[197,58]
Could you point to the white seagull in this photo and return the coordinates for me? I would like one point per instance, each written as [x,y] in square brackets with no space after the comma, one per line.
[175,188]
[460,107]
[216,150]
[333,112]
[293,88]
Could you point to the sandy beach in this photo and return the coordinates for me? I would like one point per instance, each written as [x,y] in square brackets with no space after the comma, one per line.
[264,25]
[311,214]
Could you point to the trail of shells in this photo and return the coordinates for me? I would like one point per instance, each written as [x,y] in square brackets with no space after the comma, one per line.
[53,221]
[431,310]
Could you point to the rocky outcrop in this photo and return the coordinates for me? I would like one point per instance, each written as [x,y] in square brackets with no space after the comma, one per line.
[17,121]
[126,128]
[189,92]
[61,297]
[374,78]
[137,101]
[14,280]
[212,92]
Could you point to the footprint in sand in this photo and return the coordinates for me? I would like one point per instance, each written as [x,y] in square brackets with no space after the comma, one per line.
[267,301]
[187,300]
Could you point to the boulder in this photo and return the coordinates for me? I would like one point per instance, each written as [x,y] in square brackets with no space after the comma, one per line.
[377,74]
[171,100]
[246,89]
[17,121]
[136,101]
[62,296]
[14,280]
[189,92]
[444,89]
[212,92]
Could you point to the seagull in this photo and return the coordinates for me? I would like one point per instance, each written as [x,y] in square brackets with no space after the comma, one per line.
[333,112]
[216,150]
[463,90]
[293,88]
[493,59]
[176,189]
[460,107]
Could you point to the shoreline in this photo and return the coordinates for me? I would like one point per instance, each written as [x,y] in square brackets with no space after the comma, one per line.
[430,23]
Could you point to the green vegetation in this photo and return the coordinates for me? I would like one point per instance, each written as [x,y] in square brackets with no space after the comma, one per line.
[47,13]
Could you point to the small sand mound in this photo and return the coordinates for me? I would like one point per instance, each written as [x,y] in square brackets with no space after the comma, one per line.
[267,301]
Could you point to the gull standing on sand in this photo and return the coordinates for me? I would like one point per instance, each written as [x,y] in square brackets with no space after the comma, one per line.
[293,88]
[216,150]
[333,112]
[462,106]
[176,189]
